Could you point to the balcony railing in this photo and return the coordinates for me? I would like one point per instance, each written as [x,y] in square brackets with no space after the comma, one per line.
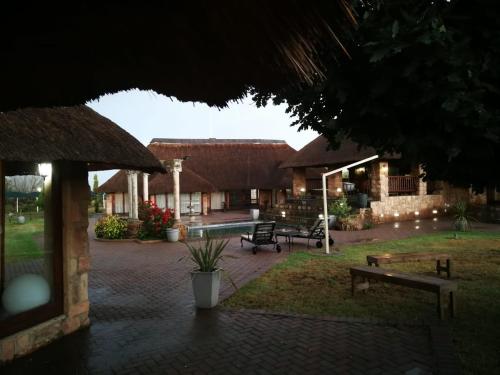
[403,185]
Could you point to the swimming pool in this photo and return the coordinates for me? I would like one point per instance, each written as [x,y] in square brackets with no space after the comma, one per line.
[223,230]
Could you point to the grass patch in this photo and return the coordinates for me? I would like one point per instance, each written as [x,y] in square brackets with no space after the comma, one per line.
[23,241]
[314,284]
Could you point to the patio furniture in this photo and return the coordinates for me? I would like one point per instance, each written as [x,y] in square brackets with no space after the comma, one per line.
[288,234]
[316,232]
[263,234]
[409,257]
[431,284]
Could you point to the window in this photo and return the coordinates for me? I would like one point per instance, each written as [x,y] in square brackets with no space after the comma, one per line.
[253,196]
[30,245]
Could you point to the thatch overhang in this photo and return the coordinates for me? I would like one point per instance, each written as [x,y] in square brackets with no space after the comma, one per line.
[76,134]
[55,55]
[189,181]
[318,154]
[231,164]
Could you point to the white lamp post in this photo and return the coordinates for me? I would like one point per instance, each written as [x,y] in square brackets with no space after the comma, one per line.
[325,203]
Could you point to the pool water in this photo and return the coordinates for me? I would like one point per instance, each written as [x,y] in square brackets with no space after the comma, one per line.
[223,230]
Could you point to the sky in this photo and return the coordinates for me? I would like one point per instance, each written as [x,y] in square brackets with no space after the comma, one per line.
[147,115]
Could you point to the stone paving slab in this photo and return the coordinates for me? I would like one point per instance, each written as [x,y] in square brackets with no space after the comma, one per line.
[144,322]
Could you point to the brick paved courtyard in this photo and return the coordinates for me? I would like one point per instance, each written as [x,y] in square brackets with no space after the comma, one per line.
[143,321]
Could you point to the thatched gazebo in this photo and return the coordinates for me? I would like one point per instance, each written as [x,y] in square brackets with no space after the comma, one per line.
[56,147]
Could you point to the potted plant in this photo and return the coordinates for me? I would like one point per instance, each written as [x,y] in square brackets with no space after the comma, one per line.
[341,210]
[207,274]
[461,216]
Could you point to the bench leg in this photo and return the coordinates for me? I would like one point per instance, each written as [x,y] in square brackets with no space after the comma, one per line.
[438,267]
[448,268]
[453,304]
[440,306]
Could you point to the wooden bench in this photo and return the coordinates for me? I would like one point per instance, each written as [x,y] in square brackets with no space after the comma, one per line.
[412,257]
[431,284]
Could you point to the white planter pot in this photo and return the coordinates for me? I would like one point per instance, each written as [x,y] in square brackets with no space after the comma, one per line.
[254,213]
[206,287]
[172,234]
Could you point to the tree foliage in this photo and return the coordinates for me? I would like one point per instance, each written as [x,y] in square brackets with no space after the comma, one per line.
[423,81]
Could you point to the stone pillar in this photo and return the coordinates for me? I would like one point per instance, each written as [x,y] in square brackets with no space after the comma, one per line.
[334,183]
[380,181]
[175,167]
[299,181]
[145,187]
[133,196]
[129,195]
[422,185]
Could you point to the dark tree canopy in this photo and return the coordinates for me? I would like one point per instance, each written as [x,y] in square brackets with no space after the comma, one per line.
[423,81]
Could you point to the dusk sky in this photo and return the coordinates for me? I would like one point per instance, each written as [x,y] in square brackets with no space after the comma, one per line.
[147,115]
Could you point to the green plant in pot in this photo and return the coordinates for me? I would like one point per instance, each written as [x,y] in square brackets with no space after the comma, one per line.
[461,216]
[341,210]
[206,275]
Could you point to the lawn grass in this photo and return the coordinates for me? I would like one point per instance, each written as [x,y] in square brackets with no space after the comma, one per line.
[22,241]
[309,283]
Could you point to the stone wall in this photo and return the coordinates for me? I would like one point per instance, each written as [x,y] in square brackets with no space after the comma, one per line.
[404,207]
[299,181]
[76,264]
[334,182]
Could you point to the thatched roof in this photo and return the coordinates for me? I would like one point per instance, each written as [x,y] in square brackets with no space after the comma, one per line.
[189,181]
[218,165]
[74,134]
[210,51]
[317,154]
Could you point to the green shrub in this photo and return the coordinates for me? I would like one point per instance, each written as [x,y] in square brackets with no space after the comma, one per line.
[340,208]
[111,228]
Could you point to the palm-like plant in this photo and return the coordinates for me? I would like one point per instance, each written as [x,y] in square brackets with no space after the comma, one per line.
[207,255]
[462,216]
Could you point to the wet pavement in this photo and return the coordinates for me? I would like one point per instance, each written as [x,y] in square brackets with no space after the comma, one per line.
[144,322]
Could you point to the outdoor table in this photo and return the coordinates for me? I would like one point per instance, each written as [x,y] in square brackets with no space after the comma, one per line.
[288,234]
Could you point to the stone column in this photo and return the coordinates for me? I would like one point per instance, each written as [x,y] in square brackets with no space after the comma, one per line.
[334,183]
[133,198]
[299,181]
[380,181]
[145,187]
[422,185]
[175,167]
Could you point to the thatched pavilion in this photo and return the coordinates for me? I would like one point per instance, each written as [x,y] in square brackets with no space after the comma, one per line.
[56,147]
[219,174]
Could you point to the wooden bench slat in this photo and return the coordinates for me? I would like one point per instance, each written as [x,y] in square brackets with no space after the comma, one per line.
[403,257]
[429,283]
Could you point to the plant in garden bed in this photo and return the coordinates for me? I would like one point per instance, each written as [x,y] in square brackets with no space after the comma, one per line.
[155,221]
[207,274]
[111,228]
[461,216]
[341,209]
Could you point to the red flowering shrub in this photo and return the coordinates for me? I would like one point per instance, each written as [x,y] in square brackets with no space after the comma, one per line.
[155,220]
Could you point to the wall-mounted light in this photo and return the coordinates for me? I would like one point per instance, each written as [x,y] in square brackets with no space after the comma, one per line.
[283,214]
[320,216]
[302,190]
[417,227]
[381,215]
[339,190]
[417,213]
[435,219]
[360,170]
[396,214]
[45,169]
[434,211]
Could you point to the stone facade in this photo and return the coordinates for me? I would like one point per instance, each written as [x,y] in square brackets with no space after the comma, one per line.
[76,264]
[404,207]
[334,182]
[299,181]
[380,180]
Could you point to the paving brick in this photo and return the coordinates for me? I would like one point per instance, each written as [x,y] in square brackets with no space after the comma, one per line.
[144,322]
